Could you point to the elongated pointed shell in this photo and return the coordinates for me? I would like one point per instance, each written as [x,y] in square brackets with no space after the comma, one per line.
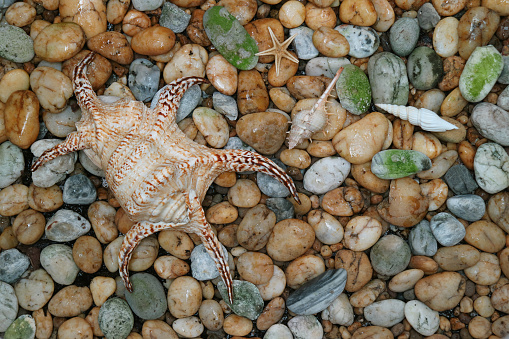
[426,119]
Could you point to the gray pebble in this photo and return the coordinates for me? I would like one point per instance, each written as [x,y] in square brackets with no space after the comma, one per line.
[364,41]
[305,327]
[147,5]
[278,331]
[428,16]
[271,186]
[326,174]
[22,328]
[247,301]
[66,225]
[460,180]
[491,167]
[225,105]
[13,264]
[174,18]
[87,163]
[148,299]
[281,207]
[237,143]
[143,79]
[325,66]
[116,319]
[390,255]
[388,78]
[79,190]
[448,230]
[190,100]
[12,163]
[57,260]
[202,265]
[492,122]
[504,77]
[8,305]
[5,4]
[470,207]
[421,240]
[385,313]
[15,44]
[303,43]
[425,68]
[404,35]
[54,170]
[503,99]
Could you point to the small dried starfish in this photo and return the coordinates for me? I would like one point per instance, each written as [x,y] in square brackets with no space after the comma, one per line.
[279,50]
[157,174]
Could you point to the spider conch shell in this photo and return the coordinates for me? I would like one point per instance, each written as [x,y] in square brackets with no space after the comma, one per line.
[426,119]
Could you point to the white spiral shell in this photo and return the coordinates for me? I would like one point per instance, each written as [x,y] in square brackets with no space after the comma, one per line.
[426,119]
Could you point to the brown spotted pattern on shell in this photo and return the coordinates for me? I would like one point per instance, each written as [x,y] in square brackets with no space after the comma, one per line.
[157,174]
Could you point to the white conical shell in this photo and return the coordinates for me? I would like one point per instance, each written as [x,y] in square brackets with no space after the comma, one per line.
[426,119]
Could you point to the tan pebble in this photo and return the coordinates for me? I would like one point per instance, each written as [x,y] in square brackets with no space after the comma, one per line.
[357,266]
[330,42]
[75,328]
[304,206]
[211,315]
[287,69]
[212,125]
[53,88]
[222,213]
[93,320]
[134,22]
[242,10]
[448,8]
[498,210]
[265,132]
[359,13]
[189,327]
[144,254]
[122,221]
[13,200]
[486,271]
[245,193]
[222,75]
[290,239]
[157,329]
[28,227]
[440,165]
[20,14]
[453,104]
[482,305]
[91,16]
[252,95]
[276,285]
[189,60]
[367,294]
[307,86]
[343,201]
[271,314]
[3,136]
[119,90]
[327,228]
[296,158]
[466,153]
[385,15]
[102,288]
[486,236]
[292,14]
[98,71]
[456,258]
[499,326]
[102,217]
[154,40]
[259,31]
[8,239]
[361,233]
[441,291]
[499,298]
[184,297]
[207,289]
[281,97]
[12,81]
[227,236]
[499,6]
[256,227]
[110,255]
[116,11]
[195,30]
[403,132]
[226,179]
[21,116]
[37,26]
[237,326]
[363,175]
[479,327]
[426,264]
[446,38]
[34,289]
[177,243]
[170,267]
[405,280]
[113,46]
[468,31]
[255,267]
[436,191]
[303,269]
[45,199]
[321,149]
[87,254]
[410,4]
[70,301]
[43,324]
[59,42]
[134,335]
[426,143]
[320,16]
[452,136]
[372,332]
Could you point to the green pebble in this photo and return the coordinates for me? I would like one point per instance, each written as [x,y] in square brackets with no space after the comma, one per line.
[230,38]
[15,44]
[354,90]
[395,163]
[388,78]
[425,68]
[116,319]
[247,301]
[148,300]
[480,73]
[21,328]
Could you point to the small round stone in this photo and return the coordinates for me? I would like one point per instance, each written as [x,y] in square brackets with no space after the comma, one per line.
[448,230]
[202,265]
[115,318]
[66,225]
[79,190]
[247,301]
[58,262]
[12,163]
[469,206]
[22,327]
[421,239]
[390,255]
[306,326]
[34,289]
[423,319]
[148,300]
[13,264]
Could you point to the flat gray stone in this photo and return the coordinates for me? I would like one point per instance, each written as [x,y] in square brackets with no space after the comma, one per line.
[460,180]
[143,79]
[15,44]
[12,163]
[58,261]
[427,16]
[202,265]
[390,255]
[421,240]
[404,35]
[448,230]
[148,299]
[225,105]
[364,41]
[79,190]
[470,207]
[66,225]
[318,293]
[271,186]
[13,264]
[174,18]
[281,207]
[385,313]
[247,301]
[388,79]
[303,43]
[8,305]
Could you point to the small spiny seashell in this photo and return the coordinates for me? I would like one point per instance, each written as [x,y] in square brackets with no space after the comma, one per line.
[426,119]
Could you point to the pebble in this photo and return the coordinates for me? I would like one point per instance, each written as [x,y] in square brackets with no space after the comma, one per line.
[326,174]
[28,226]
[57,260]
[189,327]
[63,123]
[21,117]
[147,5]
[212,126]
[491,167]
[54,170]
[222,75]
[102,288]
[247,300]
[112,45]
[184,297]
[361,233]
[318,293]
[405,280]
[456,258]
[441,291]
[75,326]
[486,271]
[469,206]
[70,301]
[354,91]
[15,44]
[385,313]
[289,239]
[12,81]
[448,230]
[34,289]
[174,18]
[491,121]
[390,255]
[255,267]
[8,305]
[255,228]
[498,210]
[425,68]
[499,298]
[271,186]
[148,300]
[364,41]
[421,239]
[225,105]
[404,35]
[339,312]
[188,102]
[427,16]
[327,228]
[265,132]
[276,285]
[305,327]
[278,331]
[12,163]
[66,225]
[503,99]
[22,327]
[116,319]
[460,180]
[59,41]
[13,264]
[53,88]
[423,319]
[143,79]
[89,165]
[202,265]
[486,236]
[272,313]
[5,4]
[394,163]
[211,315]
[303,43]
[388,79]
[322,66]
[79,190]
[87,254]
[477,80]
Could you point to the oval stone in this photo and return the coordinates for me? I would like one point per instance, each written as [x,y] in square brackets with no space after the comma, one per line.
[13,264]
[385,313]
[364,41]
[395,163]
[247,301]
[447,229]
[115,318]
[404,35]
[470,207]
[12,163]
[388,78]
[353,89]
[15,44]
[423,319]
[326,174]
[59,42]
[425,68]
[148,300]
[491,167]
[390,255]
[492,122]
[265,132]
[8,305]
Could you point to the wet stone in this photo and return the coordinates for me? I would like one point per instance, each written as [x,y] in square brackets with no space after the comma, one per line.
[303,43]
[225,105]
[271,186]
[421,240]
[174,18]
[13,264]
[469,206]
[202,265]
[148,299]
[325,66]
[66,225]
[247,301]
[492,122]
[15,44]
[428,16]
[394,163]
[23,327]
[425,68]
[390,255]
[326,174]
[404,35]
[388,78]
[491,167]
[115,319]
[353,89]
[188,103]
[317,294]
[460,180]
[79,190]
[283,208]
[305,327]
[143,79]
[57,260]
[147,5]
[422,318]
[8,305]
[386,313]
[363,41]
[12,163]
[448,230]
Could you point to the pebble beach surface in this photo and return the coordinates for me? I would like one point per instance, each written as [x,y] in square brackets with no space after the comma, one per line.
[402,232]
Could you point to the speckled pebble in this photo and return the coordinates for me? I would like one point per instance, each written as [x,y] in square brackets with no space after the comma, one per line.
[423,319]
[325,66]
[421,239]
[326,174]
[57,260]
[364,41]
[390,255]
[66,225]
[491,167]
[469,206]
[116,319]
[303,43]
[79,190]
[174,18]
[404,35]
[247,301]
[23,327]
[15,44]
[226,105]
[147,5]
[202,265]
[8,305]
[12,163]
[148,299]
[143,79]
[13,264]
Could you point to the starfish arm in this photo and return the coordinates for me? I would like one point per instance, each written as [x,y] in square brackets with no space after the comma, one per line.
[75,141]
[240,161]
[83,90]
